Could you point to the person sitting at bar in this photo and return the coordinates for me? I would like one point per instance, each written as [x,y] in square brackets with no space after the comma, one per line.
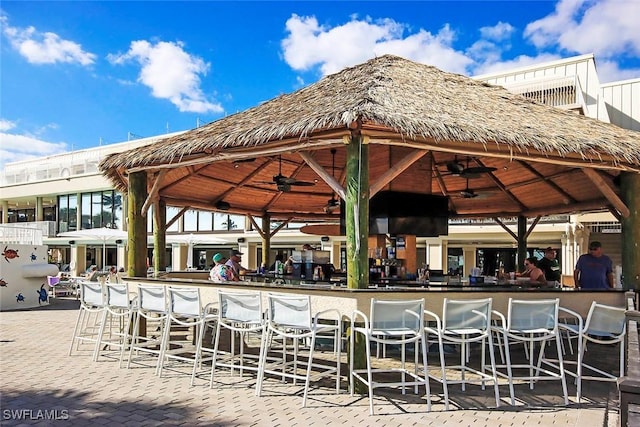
[535,274]
[279,258]
[549,264]
[234,263]
[220,271]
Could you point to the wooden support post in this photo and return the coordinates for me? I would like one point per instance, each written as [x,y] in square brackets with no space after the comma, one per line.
[136,196]
[160,236]
[630,189]
[266,239]
[522,241]
[357,230]
[357,213]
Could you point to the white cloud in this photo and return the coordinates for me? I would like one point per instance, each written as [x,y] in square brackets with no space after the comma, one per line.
[490,67]
[310,45]
[608,28]
[23,147]
[610,71]
[6,125]
[171,73]
[44,47]
[500,31]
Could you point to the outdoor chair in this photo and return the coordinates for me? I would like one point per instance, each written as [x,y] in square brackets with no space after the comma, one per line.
[184,311]
[87,328]
[241,314]
[116,319]
[605,325]
[289,318]
[397,322]
[150,314]
[531,322]
[56,285]
[464,322]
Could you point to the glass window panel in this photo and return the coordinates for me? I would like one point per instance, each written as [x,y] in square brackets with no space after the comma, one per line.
[220,221]
[205,221]
[96,210]
[150,220]
[190,221]
[171,213]
[85,209]
[73,212]
[236,222]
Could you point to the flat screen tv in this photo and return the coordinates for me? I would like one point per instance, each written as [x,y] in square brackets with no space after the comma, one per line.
[393,212]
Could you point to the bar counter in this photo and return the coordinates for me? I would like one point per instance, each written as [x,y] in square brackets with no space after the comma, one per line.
[326,295]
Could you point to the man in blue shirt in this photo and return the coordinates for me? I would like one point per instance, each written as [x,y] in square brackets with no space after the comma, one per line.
[594,270]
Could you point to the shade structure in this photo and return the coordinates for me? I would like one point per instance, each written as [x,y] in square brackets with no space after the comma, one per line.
[421,124]
[102,234]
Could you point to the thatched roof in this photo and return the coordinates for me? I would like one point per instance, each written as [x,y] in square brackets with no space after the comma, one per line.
[401,106]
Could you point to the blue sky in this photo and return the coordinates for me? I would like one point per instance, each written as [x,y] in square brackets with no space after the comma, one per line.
[79,74]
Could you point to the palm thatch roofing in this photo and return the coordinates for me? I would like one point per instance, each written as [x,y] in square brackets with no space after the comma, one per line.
[418,122]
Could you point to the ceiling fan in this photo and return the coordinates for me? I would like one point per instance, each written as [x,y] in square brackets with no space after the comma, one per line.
[469,193]
[333,203]
[284,183]
[458,169]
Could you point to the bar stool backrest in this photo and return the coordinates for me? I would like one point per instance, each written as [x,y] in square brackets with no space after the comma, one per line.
[398,316]
[466,314]
[118,295]
[290,310]
[531,315]
[605,320]
[185,301]
[152,298]
[241,306]
[92,293]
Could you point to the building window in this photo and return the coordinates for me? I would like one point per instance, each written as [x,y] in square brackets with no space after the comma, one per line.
[67,211]
[49,214]
[22,215]
[226,222]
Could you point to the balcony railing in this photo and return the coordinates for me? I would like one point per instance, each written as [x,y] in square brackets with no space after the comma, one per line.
[45,228]
[22,235]
[562,92]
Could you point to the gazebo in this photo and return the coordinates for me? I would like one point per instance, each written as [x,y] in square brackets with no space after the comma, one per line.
[389,124]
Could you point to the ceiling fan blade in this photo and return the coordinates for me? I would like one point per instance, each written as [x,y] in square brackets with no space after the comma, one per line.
[301,183]
[475,171]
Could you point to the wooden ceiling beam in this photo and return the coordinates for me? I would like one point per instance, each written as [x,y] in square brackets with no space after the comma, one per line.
[402,165]
[153,194]
[499,150]
[566,197]
[323,174]
[243,182]
[608,192]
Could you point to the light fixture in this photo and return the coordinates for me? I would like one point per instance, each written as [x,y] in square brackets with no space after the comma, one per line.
[222,205]
[324,239]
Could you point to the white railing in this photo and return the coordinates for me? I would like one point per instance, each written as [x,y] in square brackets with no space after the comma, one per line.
[74,163]
[20,235]
[47,228]
[563,92]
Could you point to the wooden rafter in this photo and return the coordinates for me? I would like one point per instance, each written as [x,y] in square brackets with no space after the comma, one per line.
[322,173]
[566,197]
[607,191]
[395,170]
[153,194]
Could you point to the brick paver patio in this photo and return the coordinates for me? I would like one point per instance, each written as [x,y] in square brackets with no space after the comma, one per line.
[40,382]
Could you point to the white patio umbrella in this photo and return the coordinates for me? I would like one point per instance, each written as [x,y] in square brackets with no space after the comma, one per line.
[192,240]
[102,234]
